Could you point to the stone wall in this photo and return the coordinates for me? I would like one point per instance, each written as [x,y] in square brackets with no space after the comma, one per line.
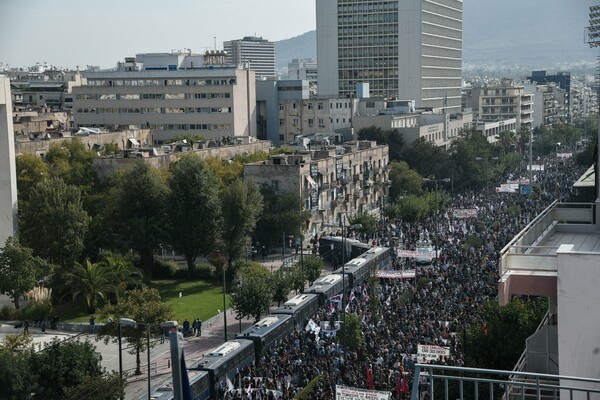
[106,166]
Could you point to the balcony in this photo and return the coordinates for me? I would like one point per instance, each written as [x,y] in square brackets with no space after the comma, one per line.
[529,262]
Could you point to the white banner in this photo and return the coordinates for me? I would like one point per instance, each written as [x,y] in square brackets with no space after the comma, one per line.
[428,352]
[350,393]
[464,213]
[408,274]
[416,254]
[535,167]
[508,188]
[564,155]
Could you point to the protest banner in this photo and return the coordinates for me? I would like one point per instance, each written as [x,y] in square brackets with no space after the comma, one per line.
[350,393]
[408,274]
[428,352]
[464,213]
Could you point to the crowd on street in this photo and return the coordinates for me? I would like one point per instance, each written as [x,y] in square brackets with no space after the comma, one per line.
[435,311]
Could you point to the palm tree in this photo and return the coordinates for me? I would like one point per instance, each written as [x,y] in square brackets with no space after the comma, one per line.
[90,280]
[121,274]
[507,139]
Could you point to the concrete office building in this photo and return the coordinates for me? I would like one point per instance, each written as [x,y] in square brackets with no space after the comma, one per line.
[303,69]
[259,53]
[8,176]
[172,94]
[562,80]
[404,49]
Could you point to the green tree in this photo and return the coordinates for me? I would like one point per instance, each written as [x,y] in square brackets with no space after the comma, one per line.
[507,140]
[143,306]
[241,206]
[104,387]
[281,285]
[63,364]
[140,207]
[472,155]
[297,278]
[393,138]
[109,149]
[121,274]
[71,161]
[16,379]
[286,214]
[409,209]
[367,222]
[90,280]
[313,266]
[53,222]
[253,295]
[498,340]
[18,269]
[350,335]
[193,208]
[30,170]
[404,180]
[427,159]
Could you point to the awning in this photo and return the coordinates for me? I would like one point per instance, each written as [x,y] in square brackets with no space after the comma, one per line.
[588,179]
[312,182]
[134,142]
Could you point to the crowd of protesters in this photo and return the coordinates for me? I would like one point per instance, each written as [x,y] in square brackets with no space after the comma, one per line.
[435,311]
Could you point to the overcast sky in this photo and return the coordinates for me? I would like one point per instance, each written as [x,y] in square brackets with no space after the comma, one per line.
[67,33]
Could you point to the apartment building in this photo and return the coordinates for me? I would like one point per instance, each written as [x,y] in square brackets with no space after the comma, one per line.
[172,94]
[409,49]
[303,69]
[257,52]
[501,101]
[560,79]
[332,181]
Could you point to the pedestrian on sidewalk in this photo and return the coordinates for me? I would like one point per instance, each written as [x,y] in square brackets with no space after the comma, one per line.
[93,324]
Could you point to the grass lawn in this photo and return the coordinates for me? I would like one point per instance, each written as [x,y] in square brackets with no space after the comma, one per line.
[200,299]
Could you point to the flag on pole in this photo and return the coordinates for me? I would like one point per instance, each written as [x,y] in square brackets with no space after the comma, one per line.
[230,386]
[186,390]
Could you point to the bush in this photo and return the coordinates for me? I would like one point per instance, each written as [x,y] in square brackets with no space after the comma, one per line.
[163,269]
[10,313]
[422,282]
[203,271]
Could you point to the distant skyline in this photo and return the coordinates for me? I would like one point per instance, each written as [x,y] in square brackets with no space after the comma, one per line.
[69,33]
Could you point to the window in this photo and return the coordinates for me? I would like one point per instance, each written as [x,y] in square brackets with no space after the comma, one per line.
[310,106]
[320,106]
[311,122]
[281,122]
[281,107]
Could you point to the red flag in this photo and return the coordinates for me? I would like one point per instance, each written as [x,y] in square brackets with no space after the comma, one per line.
[370,378]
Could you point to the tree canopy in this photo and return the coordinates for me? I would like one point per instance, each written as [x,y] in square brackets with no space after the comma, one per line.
[254,293]
[19,269]
[241,205]
[53,222]
[193,208]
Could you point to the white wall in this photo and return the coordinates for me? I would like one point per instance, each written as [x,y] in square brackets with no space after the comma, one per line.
[578,308]
[8,177]
[327,48]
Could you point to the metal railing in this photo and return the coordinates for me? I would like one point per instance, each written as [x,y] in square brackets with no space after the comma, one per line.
[433,381]
[520,247]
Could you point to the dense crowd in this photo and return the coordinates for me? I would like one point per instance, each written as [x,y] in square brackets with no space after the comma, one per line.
[434,313]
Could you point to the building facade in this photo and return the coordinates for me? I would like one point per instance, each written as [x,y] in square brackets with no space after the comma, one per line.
[502,101]
[303,69]
[8,174]
[562,80]
[259,53]
[172,94]
[332,181]
[409,49]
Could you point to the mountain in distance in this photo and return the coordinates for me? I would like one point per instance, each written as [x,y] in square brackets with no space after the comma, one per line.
[508,34]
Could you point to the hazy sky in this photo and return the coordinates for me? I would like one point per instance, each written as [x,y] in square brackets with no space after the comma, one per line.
[66,33]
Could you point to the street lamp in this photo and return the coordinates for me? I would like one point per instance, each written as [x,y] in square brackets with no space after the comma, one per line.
[435,221]
[133,323]
[344,232]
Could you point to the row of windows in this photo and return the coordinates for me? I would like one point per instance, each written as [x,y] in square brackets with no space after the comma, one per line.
[311,121]
[379,40]
[320,106]
[368,52]
[390,64]
[161,82]
[156,110]
[153,96]
[344,31]
[353,19]
[198,127]
[371,6]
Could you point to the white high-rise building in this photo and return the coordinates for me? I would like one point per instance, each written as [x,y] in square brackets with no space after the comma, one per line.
[407,49]
[8,177]
[259,53]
